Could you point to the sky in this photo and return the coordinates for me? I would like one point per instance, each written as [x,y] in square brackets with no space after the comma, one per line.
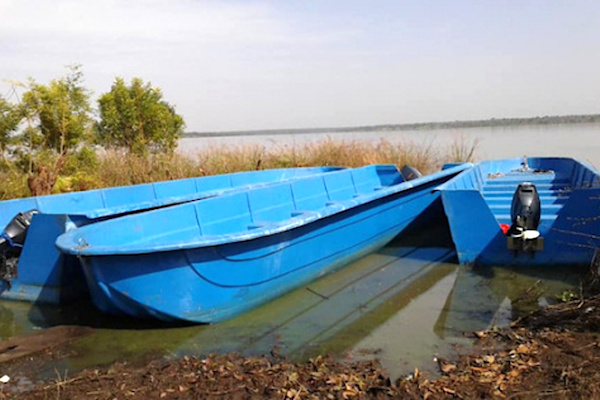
[246,65]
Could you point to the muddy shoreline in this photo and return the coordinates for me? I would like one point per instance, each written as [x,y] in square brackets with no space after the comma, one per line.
[553,352]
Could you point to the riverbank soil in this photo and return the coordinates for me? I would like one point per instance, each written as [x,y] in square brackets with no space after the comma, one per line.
[552,353]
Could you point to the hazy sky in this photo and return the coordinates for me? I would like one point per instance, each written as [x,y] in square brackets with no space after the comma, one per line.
[230,65]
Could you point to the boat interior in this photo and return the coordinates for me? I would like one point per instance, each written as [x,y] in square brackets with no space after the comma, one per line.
[241,212]
[554,178]
[118,200]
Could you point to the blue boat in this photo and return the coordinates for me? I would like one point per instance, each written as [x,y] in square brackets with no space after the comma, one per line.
[525,211]
[32,269]
[211,260]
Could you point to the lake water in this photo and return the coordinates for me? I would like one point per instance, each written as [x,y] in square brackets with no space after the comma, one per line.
[570,140]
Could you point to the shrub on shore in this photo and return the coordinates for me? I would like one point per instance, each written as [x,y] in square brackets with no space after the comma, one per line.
[50,125]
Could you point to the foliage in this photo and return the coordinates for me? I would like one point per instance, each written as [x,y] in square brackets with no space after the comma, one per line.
[51,150]
[568,295]
[84,160]
[14,184]
[76,182]
[61,110]
[58,116]
[135,117]
[46,166]
[10,117]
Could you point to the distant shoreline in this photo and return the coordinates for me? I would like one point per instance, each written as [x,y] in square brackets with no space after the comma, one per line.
[494,122]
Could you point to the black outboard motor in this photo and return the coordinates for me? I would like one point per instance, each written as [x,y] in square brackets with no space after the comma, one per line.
[11,244]
[409,173]
[526,210]
[525,214]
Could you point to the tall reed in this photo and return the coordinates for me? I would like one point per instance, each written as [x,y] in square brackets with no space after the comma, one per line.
[463,149]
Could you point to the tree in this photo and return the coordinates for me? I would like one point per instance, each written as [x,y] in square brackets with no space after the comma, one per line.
[61,110]
[58,116]
[136,117]
[10,118]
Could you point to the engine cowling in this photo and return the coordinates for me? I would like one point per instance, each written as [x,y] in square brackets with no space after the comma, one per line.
[526,209]
[409,173]
[12,240]
[525,214]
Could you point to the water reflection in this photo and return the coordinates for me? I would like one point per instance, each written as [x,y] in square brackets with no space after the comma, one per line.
[406,340]
[482,297]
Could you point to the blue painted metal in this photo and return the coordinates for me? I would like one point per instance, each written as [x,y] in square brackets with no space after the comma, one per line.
[46,276]
[210,260]
[477,201]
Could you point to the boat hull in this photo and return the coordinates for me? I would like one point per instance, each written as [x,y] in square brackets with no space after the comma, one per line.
[478,201]
[211,284]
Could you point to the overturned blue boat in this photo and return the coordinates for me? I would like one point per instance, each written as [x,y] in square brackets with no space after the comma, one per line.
[210,260]
[32,269]
[525,211]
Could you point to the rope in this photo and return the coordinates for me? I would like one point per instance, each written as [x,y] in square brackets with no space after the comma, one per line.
[10,241]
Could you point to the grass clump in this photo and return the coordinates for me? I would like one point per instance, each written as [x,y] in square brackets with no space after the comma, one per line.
[328,152]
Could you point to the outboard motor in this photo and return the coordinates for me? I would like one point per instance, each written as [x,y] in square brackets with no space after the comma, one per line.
[409,173]
[526,210]
[11,244]
[525,214]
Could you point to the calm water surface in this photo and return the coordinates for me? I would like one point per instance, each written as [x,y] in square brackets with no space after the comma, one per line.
[573,140]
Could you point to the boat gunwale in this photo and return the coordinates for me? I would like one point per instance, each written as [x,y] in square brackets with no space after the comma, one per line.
[67,242]
[450,185]
[160,202]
